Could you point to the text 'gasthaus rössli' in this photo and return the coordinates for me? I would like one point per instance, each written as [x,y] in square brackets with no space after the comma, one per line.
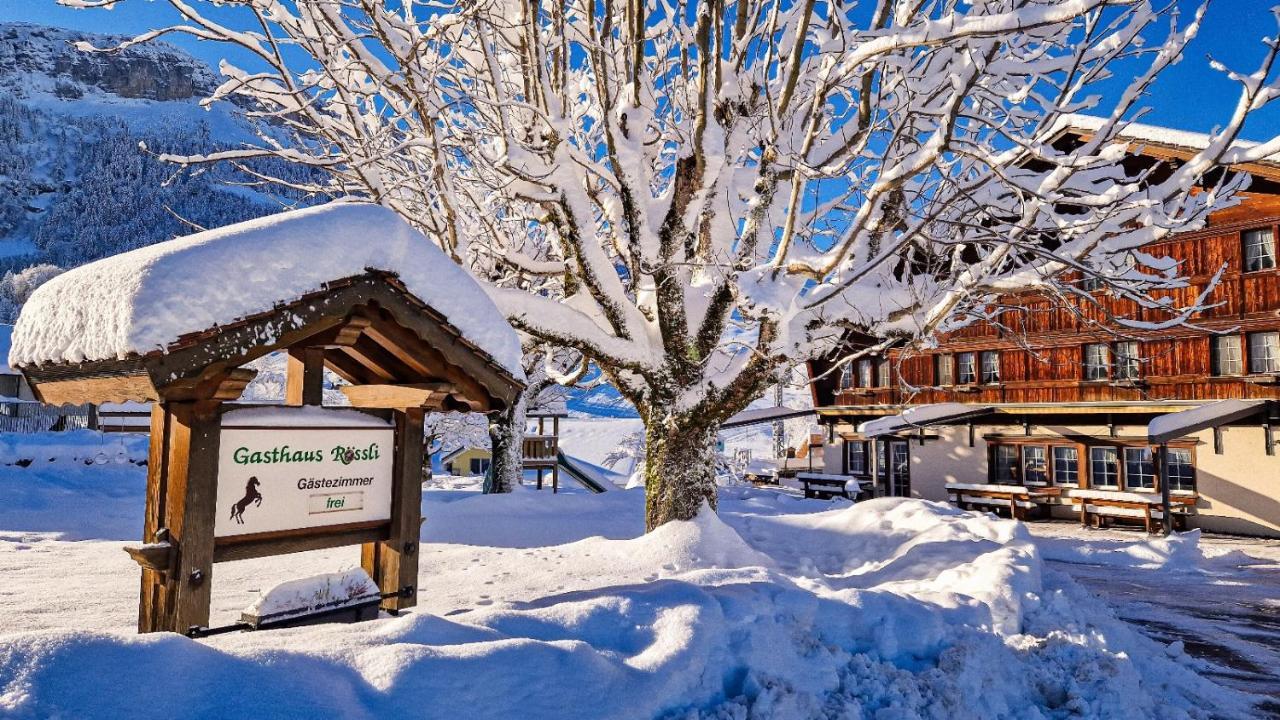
[285,454]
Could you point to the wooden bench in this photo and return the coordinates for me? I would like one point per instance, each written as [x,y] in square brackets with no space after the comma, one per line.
[1099,508]
[824,487]
[1017,498]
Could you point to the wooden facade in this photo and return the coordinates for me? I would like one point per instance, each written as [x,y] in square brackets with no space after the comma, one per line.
[1038,346]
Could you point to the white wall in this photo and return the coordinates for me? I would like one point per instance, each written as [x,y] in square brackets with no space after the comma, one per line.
[1239,490]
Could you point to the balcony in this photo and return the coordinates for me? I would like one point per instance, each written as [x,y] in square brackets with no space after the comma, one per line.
[539,451]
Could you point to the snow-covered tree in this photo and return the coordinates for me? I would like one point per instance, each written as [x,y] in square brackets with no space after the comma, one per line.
[695,195]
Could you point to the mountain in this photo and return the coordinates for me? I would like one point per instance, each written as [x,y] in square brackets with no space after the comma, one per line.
[76,183]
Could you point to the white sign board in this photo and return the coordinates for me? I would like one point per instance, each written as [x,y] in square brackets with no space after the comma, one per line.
[289,478]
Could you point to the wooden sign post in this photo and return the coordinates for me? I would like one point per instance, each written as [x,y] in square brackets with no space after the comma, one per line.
[400,360]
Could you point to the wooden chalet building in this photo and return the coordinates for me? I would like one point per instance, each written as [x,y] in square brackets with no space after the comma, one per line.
[1048,413]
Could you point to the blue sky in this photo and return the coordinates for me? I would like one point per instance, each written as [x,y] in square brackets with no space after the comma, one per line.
[1190,96]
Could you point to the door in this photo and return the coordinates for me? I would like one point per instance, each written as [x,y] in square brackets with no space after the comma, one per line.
[899,469]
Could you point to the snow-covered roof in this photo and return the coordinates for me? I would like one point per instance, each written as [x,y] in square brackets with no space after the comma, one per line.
[1154,134]
[1164,428]
[921,416]
[143,301]
[459,450]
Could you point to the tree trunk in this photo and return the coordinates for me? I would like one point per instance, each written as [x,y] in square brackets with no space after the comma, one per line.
[679,469]
[506,436]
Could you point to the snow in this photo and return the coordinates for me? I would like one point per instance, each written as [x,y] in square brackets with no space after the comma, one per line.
[6,340]
[305,416]
[539,605]
[1179,551]
[326,591]
[1148,133]
[144,300]
[1186,422]
[591,440]
[919,416]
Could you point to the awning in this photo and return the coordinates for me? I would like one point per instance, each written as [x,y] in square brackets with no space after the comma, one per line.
[923,416]
[756,416]
[1210,415]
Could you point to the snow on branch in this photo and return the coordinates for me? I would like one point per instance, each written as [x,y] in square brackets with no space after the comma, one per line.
[693,200]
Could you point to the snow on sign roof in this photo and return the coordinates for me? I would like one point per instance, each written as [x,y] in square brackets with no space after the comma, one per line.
[921,416]
[1164,428]
[144,300]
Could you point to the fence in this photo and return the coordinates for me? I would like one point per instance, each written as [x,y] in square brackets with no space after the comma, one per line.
[28,416]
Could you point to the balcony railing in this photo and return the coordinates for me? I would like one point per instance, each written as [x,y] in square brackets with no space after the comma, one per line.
[540,450]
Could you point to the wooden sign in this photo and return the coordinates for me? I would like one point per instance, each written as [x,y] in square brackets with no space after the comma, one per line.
[227,483]
[292,478]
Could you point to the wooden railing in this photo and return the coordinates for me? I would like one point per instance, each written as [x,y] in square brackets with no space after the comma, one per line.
[540,449]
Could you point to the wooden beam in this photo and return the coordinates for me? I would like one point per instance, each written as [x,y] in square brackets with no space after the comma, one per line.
[379,361]
[343,335]
[429,361]
[388,331]
[216,383]
[302,540]
[393,564]
[185,496]
[304,377]
[431,396]
[348,368]
[119,388]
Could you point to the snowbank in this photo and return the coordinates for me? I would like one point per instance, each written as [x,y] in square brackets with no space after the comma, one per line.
[79,484]
[144,300]
[537,605]
[1179,551]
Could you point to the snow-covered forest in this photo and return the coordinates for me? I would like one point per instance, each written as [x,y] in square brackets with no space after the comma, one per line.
[79,176]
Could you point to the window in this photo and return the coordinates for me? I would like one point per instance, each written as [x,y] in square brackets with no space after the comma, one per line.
[857,453]
[882,460]
[1139,470]
[1264,352]
[1126,361]
[846,376]
[943,369]
[1004,466]
[901,469]
[1066,466]
[1104,467]
[1097,361]
[1227,358]
[883,374]
[966,372]
[990,367]
[1090,283]
[479,466]
[864,373]
[1182,474]
[1035,466]
[1259,250]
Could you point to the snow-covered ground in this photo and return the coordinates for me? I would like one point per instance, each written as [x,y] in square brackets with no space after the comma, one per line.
[538,605]
[1217,597]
